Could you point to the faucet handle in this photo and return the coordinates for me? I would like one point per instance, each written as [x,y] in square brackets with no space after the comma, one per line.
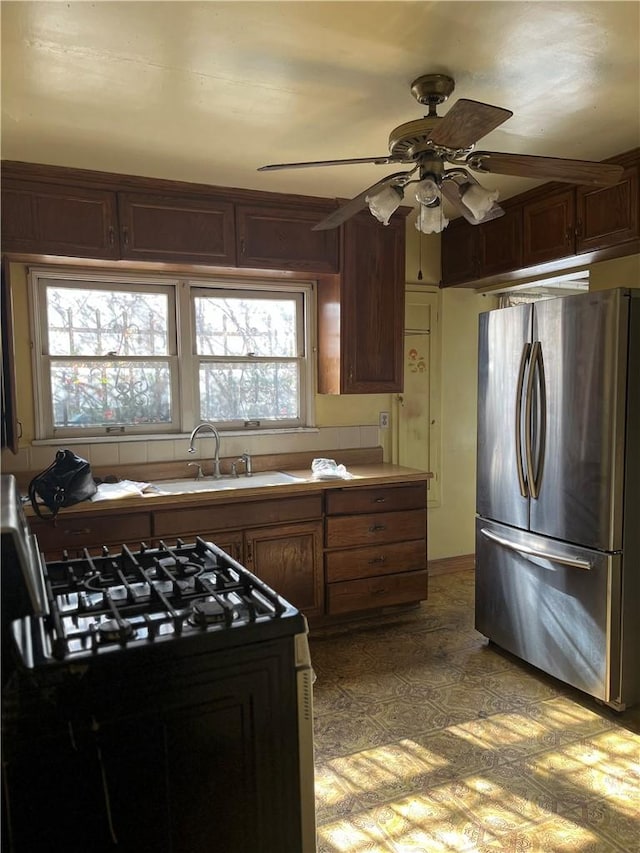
[199,474]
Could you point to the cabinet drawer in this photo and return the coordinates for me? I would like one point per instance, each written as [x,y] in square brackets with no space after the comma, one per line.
[221,516]
[346,530]
[348,596]
[375,560]
[73,533]
[376,499]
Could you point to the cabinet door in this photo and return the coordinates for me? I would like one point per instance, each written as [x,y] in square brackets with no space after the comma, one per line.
[460,261]
[548,228]
[607,216]
[500,243]
[372,305]
[193,229]
[58,220]
[289,559]
[281,238]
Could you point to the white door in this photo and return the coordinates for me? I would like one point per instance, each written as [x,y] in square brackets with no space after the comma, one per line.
[418,408]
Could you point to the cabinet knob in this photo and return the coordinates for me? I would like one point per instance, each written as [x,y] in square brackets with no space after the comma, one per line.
[125,235]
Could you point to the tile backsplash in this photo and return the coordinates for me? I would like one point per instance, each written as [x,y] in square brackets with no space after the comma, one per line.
[167,449]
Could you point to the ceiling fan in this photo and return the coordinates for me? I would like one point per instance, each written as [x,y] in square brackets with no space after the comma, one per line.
[433,142]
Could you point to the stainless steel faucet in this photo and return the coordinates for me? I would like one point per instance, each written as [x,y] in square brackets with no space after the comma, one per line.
[216,458]
[248,470]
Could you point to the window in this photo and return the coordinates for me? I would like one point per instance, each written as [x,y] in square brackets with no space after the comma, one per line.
[122,356]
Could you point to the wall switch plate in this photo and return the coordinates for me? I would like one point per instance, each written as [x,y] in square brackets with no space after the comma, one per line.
[383,420]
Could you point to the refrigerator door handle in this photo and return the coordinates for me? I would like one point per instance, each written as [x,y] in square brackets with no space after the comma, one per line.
[528,419]
[526,349]
[574,562]
[542,405]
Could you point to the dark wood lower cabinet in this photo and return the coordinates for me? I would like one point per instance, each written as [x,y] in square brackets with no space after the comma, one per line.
[289,559]
[193,756]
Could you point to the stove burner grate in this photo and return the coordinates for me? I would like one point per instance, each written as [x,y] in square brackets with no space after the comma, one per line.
[119,600]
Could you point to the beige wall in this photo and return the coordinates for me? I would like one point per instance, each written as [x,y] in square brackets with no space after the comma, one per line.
[619,272]
[451,525]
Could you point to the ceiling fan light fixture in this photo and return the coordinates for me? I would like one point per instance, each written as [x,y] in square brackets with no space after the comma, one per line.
[431,218]
[427,190]
[384,204]
[478,200]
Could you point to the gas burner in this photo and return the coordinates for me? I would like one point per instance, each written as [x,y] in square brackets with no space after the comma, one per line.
[181,565]
[112,630]
[208,611]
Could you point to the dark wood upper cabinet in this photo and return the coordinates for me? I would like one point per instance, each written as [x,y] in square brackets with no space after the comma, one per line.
[606,216]
[361,315]
[474,251]
[59,220]
[552,227]
[9,426]
[548,227]
[194,230]
[282,238]
[459,252]
[500,242]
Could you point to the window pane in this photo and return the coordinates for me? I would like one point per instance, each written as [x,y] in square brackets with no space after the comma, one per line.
[100,322]
[109,393]
[245,392]
[244,326]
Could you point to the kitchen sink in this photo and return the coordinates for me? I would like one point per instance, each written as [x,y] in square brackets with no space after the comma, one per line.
[264,478]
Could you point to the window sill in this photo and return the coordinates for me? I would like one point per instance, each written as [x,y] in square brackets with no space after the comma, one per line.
[174,436]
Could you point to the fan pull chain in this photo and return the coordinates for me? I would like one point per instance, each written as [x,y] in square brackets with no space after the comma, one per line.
[419,254]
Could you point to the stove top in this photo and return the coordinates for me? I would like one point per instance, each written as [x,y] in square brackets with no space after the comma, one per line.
[131,599]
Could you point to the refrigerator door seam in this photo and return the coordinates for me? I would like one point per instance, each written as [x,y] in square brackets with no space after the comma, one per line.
[574,562]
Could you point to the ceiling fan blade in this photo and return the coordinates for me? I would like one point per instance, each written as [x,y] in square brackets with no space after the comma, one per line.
[380,161]
[453,191]
[466,122]
[548,168]
[356,204]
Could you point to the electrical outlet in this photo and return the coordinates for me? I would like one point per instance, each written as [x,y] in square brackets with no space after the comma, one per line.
[384,420]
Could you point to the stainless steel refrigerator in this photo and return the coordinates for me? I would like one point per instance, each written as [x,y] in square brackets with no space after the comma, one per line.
[558,489]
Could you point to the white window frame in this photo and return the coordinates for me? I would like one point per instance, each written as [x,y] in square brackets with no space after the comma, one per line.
[191,366]
[182,356]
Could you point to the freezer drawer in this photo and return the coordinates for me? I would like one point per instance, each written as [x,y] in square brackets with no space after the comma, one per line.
[554,605]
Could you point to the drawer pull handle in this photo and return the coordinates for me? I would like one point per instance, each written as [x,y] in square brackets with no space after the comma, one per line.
[380,591]
[378,560]
[379,500]
[376,527]
[78,532]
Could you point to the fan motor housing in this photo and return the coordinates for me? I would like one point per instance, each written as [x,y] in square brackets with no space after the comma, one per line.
[411,138]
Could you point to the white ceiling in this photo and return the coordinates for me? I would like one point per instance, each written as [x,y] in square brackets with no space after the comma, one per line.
[209,91]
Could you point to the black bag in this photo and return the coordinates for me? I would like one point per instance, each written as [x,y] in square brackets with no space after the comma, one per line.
[64,483]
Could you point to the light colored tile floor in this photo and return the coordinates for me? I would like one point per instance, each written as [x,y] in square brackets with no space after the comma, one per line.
[428,740]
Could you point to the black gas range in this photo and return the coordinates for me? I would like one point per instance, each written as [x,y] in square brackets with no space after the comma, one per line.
[158,698]
[113,603]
